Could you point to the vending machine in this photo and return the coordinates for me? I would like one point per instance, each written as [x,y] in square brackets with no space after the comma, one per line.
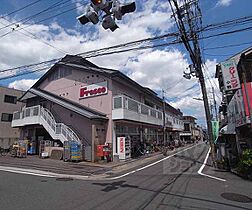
[123,147]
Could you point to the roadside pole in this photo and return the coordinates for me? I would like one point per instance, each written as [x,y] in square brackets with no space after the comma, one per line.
[164,139]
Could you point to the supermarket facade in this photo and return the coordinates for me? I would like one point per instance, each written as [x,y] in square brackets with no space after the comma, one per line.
[77,100]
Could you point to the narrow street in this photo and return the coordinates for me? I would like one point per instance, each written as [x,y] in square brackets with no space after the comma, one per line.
[171,184]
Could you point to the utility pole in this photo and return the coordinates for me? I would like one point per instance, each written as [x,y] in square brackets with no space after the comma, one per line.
[190,14]
[164,139]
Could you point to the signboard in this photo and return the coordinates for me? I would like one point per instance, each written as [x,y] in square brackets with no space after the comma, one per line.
[121,144]
[236,111]
[94,90]
[215,129]
[249,89]
[230,75]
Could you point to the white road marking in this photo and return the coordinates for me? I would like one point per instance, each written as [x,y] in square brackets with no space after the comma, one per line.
[203,166]
[35,172]
[152,164]
[55,175]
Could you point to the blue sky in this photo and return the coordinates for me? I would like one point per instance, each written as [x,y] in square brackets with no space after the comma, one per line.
[159,68]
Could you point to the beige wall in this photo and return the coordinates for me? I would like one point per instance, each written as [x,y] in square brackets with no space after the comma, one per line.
[7,133]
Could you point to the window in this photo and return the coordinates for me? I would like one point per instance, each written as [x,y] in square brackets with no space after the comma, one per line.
[118,103]
[6,117]
[59,73]
[10,99]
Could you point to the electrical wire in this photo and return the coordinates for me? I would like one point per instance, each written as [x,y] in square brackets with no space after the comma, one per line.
[26,19]
[40,21]
[20,9]
[227,46]
[34,36]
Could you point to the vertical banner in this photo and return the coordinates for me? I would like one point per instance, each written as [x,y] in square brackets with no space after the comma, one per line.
[230,75]
[215,129]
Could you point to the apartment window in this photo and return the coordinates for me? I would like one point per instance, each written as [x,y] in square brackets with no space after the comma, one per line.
[6,117]
[59,73]
[10,99]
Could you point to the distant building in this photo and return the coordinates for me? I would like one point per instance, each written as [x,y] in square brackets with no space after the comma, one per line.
[8,104]
[191,132]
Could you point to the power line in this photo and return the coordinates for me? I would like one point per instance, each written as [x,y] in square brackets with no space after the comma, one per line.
[34,36]
[40,21]
[102,50]
[20,9]
[90,56]
[26,19]
[227,46]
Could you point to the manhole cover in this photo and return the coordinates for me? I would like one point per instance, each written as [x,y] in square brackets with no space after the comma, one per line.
[236,197]
[64,179]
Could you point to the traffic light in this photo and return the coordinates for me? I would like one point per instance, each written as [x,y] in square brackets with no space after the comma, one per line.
[90,16]
[113,11]
[96,2]
[109,23]
[119,10]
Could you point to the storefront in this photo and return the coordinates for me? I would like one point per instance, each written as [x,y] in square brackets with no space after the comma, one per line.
[78,101]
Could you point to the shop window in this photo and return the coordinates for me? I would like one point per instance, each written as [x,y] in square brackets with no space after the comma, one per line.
[10,99]
[6,117]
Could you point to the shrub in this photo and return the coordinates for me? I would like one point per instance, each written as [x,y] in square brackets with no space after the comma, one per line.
[245,164]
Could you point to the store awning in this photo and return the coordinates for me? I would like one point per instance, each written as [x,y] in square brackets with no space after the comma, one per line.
[226,131]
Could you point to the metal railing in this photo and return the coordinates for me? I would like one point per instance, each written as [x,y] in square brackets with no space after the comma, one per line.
[56,130]
[124,102]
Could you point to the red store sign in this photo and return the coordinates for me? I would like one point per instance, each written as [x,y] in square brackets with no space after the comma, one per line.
[94,90]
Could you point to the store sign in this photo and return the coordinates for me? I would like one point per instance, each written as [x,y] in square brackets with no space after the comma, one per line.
[230,75]
[121,144]
[249,92]
[236,111]
[94,90]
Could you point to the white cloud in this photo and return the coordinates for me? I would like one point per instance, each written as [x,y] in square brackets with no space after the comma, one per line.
[155,68]
[23,84]
[224,3]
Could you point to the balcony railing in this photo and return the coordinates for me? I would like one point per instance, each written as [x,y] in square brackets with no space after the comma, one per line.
[42,116]
[128,108]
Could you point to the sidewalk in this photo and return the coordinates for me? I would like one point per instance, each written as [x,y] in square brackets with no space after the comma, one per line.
[82,168]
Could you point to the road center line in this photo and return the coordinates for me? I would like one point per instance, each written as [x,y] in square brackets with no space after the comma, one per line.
[203,166]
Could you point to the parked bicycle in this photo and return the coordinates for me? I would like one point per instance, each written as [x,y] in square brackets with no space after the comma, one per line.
[3,152]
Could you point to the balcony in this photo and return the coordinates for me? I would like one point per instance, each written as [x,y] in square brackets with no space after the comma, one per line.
[38,115]
[125,108]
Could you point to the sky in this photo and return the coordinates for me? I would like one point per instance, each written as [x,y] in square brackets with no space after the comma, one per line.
[156,68]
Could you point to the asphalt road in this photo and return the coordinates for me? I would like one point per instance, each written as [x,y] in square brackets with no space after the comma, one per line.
[171,184]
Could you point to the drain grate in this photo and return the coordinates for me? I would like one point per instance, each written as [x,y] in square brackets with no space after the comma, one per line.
[236,197]
[64,179]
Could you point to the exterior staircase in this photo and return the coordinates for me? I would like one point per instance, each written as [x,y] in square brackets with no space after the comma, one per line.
[42,116]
